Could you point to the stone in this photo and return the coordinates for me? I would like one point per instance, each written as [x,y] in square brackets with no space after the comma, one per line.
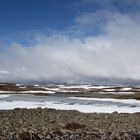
[24,136]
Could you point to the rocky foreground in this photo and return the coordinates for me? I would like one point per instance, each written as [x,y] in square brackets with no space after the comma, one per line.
[49,124]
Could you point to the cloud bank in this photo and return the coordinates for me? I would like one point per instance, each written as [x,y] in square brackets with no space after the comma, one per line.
[113,54]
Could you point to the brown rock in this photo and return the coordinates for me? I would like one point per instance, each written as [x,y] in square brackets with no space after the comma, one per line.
[28,136]
[24,136]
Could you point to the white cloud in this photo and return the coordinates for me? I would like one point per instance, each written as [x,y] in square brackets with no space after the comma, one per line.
[97,17]
[3,72]
[114,54]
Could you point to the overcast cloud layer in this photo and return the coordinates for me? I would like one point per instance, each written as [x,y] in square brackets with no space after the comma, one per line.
[115,53]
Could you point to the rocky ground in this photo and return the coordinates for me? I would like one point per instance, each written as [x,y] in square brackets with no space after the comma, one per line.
[49,124]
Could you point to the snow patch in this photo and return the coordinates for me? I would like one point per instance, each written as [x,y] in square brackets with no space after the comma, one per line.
[7,91]
[109,89]
[4,96]
[54,105]
[83,86]
[37,91]
[129,101]
[36,85]
[120,93]
[22,87]
[70,91]
[126,88]
[19,84]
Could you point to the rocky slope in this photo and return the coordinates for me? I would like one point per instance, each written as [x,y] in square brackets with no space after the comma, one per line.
[48,124]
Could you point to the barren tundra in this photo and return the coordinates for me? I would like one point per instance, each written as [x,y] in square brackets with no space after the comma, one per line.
[100,120]
[124,92]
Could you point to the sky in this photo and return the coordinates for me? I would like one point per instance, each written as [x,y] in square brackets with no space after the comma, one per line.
[70,41]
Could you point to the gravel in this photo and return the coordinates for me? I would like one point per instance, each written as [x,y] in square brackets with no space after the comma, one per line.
[51,124]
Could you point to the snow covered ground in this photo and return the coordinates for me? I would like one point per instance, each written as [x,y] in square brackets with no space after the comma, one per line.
[82,104]
[65,97]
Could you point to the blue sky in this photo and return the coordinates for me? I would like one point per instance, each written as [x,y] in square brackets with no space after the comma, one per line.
[69,40]
[27,16]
